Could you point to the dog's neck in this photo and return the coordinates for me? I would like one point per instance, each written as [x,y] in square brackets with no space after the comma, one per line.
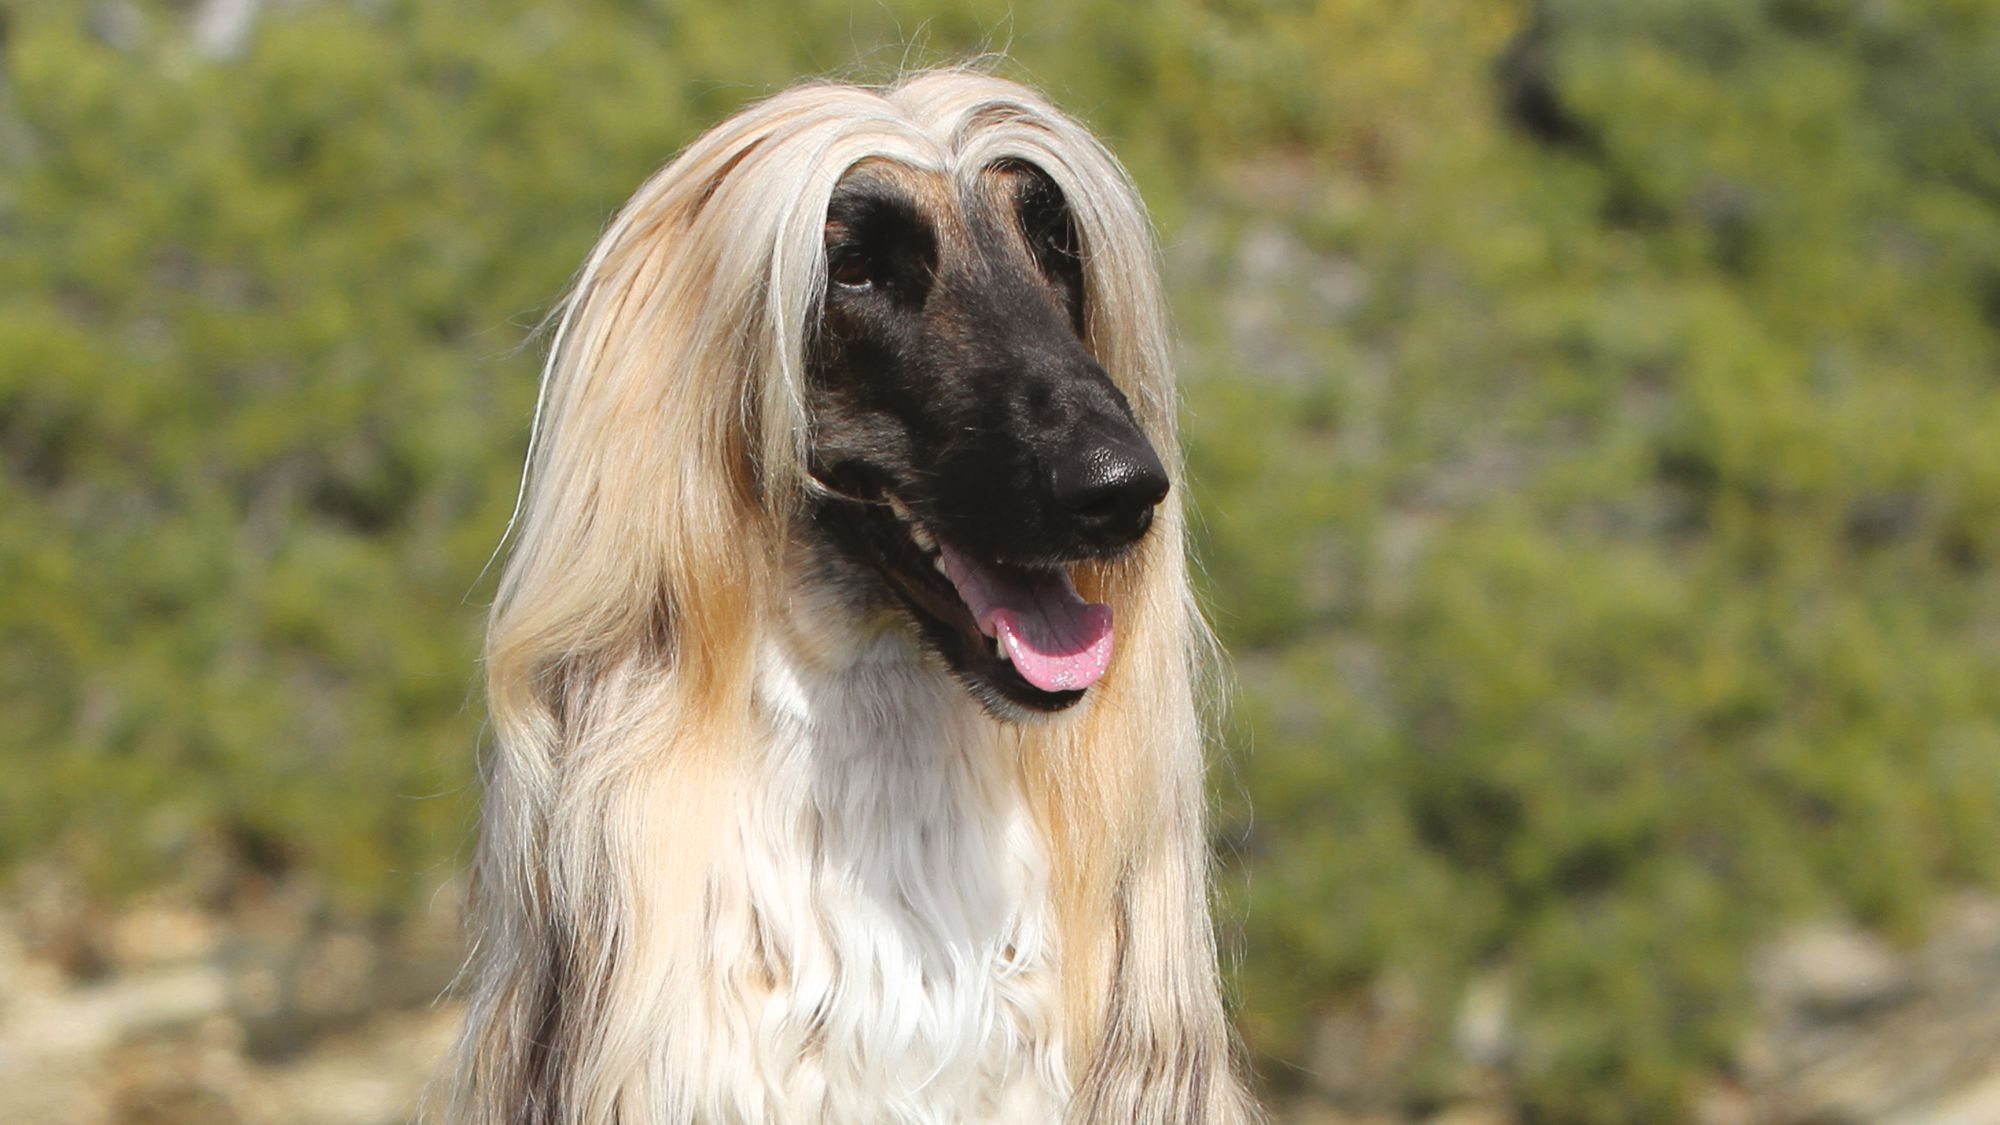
[895,885]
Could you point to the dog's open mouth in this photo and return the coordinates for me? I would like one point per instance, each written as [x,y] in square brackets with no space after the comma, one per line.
[1020,632]
[1054,639]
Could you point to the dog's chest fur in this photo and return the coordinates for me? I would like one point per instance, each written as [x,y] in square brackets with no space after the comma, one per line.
[899,963]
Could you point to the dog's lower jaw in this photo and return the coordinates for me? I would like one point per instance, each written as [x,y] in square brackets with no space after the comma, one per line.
[883,940]
[876,561]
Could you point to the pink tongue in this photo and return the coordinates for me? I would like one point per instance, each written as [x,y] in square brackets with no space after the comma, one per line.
[1056,640]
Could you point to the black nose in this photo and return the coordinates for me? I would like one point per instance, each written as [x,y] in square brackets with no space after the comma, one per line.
[1109,486]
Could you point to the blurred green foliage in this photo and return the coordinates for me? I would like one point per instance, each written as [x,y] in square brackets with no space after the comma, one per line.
[1595,414]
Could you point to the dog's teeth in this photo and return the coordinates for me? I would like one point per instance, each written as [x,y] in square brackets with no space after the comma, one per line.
[923,538]
[939,564]
[1000,650]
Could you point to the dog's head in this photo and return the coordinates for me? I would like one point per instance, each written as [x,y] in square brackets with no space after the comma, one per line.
[919,326]
[969,448]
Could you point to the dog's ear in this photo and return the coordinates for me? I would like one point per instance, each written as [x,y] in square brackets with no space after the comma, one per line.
[643,532]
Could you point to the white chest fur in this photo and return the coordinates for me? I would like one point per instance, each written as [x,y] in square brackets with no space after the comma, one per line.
[892,958]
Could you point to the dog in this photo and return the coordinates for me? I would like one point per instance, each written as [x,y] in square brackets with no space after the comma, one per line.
[844,672]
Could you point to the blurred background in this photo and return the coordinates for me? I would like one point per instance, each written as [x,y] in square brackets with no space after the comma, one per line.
[1595,421]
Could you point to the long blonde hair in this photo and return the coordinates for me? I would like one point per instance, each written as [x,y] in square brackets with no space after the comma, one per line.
[665,477]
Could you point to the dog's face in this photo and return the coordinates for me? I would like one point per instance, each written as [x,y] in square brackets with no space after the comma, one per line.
[973,446]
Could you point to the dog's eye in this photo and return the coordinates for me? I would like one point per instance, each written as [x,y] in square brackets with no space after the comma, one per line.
[1059,242]
[850,269]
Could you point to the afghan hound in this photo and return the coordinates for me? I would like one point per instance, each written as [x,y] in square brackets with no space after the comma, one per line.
[847,762]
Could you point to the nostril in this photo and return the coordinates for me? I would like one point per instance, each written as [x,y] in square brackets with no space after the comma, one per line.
[1100,507]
